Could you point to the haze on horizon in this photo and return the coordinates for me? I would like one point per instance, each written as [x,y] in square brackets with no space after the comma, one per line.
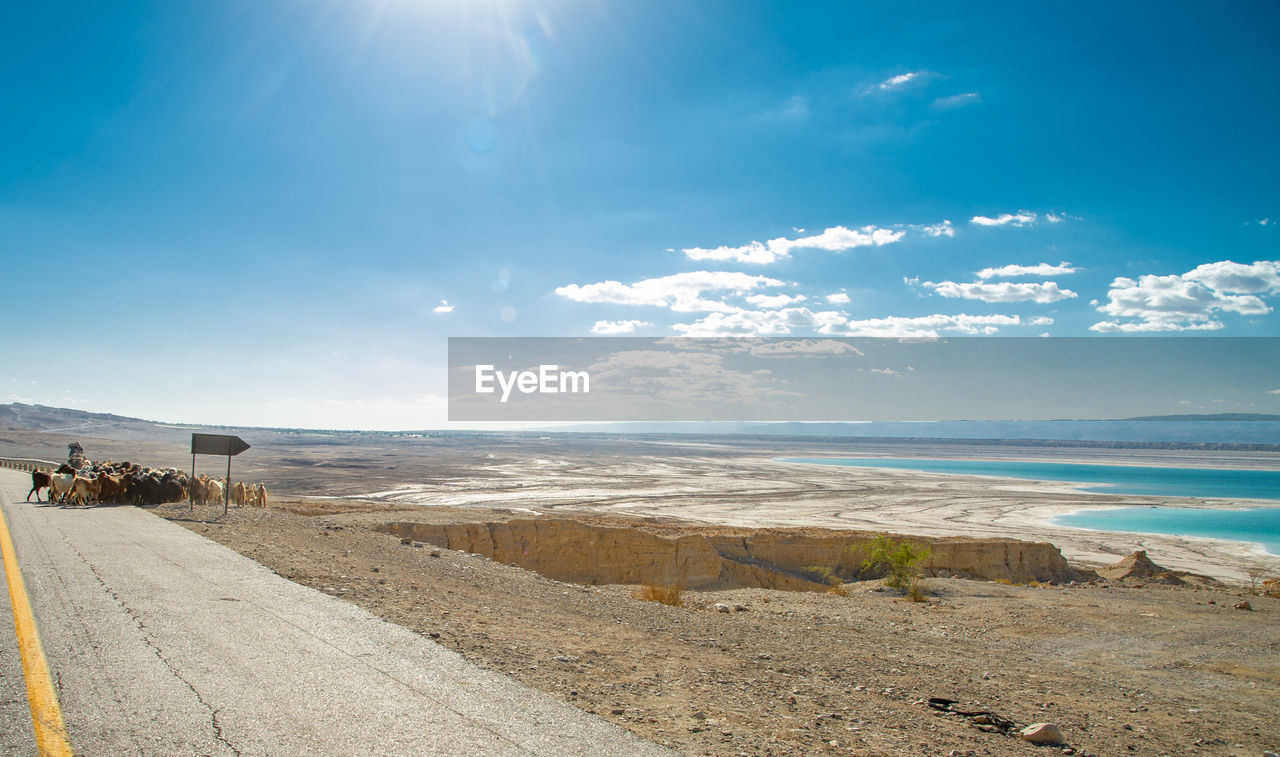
[273,214]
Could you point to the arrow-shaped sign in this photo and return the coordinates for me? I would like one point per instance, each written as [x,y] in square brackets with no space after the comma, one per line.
[217,444]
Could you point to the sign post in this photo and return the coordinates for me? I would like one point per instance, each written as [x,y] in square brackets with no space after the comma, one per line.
[217,444]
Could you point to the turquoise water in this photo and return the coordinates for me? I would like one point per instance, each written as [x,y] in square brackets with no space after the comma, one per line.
[1260,525]
[1112,479]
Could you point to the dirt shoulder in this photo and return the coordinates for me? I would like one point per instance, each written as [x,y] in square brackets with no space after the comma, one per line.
[1121,669]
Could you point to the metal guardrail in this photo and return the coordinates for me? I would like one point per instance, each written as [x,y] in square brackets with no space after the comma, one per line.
[27,464]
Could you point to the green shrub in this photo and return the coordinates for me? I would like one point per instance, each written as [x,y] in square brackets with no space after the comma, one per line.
[897,559]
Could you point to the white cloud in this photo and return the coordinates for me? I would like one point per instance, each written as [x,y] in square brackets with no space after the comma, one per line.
[443,307]
[1041,320]
[1227,276]
[1191,301]
[762,346]
[839,238]
[804,348]
[774,300]
[1273,391]
[617,327]
[1005,291]
[743,322]
[930,325]
[753,252]
[957,101]
[1013,271]
[901,80]
[1113,327]
[681,292]
[834,239]
[783,322]
[943,229]
[839,298]
[1021,218]
[884,371]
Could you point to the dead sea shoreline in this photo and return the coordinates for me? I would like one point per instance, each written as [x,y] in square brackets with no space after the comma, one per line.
[759,491]
[1050,519]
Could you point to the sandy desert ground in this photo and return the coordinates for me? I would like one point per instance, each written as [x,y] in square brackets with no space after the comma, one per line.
[1121,667]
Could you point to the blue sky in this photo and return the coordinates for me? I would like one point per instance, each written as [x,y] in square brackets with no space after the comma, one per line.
[275,213]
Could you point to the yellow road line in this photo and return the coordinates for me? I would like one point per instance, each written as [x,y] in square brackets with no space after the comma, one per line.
[46,715]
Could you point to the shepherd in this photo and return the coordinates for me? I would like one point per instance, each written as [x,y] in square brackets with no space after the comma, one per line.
[75,455]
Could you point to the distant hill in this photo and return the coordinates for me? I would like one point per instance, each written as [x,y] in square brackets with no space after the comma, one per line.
[1219,428]
[17,415]
[1164,429]
[1211,417]
[81,423]
[1129,430]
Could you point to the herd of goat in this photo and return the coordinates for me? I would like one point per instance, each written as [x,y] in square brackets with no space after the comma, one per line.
[129,483]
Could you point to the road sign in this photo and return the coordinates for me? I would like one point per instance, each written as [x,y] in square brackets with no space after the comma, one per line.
[217,444]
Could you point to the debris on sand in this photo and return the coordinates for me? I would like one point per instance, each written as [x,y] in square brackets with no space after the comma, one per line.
[984,720]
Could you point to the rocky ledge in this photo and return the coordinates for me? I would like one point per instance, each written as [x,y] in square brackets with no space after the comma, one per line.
[596,551]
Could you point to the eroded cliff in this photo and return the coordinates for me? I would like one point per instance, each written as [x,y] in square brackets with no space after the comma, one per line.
[708,558]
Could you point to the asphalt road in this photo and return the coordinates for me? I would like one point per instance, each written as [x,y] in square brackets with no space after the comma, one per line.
[15,713]
[162,642]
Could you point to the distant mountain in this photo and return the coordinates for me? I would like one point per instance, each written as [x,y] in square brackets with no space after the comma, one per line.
[17,415]
[81,423]
[1211,417]
[1219,428]
[1255,430]
[1134,430]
